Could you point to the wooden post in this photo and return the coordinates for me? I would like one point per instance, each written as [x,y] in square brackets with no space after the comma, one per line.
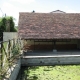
[54,48]
[19,43]
[9,45]
[13,43]
[1,55]
[34,44]
[1,58]
[54,44]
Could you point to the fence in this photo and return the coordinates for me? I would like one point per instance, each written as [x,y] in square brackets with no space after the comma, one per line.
[9,54]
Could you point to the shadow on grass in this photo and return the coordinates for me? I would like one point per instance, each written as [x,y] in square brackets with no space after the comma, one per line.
[34,67]
[33,78]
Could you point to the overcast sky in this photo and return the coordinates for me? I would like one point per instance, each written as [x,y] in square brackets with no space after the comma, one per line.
[13,7]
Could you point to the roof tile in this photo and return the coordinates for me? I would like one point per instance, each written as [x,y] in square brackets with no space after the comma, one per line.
[49,25]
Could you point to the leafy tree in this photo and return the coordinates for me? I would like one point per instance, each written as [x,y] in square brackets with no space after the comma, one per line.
[3,25]
[11,24]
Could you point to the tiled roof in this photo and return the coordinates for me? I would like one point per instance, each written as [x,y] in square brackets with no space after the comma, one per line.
[49,25]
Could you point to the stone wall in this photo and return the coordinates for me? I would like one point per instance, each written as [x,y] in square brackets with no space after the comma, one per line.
[16,70]
[50,60]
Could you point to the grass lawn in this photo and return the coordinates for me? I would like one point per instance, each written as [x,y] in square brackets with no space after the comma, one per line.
[65,72]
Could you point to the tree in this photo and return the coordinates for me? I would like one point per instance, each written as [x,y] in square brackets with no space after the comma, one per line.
[11,24]
[7,25]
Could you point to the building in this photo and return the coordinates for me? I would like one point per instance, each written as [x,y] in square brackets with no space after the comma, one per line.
[47,31]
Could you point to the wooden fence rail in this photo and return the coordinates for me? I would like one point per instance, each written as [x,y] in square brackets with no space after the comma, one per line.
[9,53]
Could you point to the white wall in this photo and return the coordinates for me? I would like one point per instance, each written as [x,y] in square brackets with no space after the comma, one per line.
[9,35]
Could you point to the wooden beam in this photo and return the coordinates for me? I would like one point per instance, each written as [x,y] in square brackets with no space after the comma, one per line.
[34,45]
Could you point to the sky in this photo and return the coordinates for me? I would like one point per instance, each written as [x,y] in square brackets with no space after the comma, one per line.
[13,7]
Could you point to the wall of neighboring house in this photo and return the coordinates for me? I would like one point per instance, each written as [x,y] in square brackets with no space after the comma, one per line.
[9,35]
[72,44]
